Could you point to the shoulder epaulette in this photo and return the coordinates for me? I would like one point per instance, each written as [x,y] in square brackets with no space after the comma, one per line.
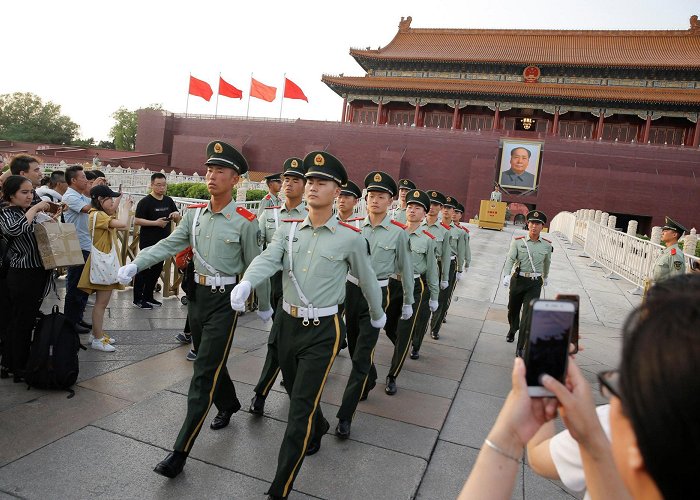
[461,226]
[673,251]
[292,220]
[245,213]
[400,224]
[268,196]
[545,239]
[345,224]
[446,226]
[428,234]
[272,206]
[197,205]
[519,237]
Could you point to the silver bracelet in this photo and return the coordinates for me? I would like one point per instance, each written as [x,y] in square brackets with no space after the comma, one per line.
[495,448]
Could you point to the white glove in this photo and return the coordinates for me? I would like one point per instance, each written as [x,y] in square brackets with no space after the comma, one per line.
[264,315]
[126,273]
[546,281]
[406,311]
[465,270]
[444,284]
[379,323]
[458,276]
[432,305]
[239,295]
[506,280]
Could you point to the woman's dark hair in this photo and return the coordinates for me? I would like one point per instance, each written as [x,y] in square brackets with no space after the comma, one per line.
[12,184]
[660,386]
[95,202]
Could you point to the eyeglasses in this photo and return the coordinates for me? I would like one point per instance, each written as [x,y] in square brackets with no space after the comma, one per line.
[609,384]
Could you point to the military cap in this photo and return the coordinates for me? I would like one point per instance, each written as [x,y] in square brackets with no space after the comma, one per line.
[436,197]
[325,166]
[380,181]
[459,207]
[418,197]
[450,202]
[224,155]
[273,177]
[674,226]
[536,216]
[351,189]
[406,184]
[293,167]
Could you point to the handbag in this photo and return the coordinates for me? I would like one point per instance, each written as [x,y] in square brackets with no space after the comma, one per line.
[103,266]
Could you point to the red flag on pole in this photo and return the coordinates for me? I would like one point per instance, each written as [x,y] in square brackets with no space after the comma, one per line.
[228,90]
[262,91]
[200,88]
[293,91]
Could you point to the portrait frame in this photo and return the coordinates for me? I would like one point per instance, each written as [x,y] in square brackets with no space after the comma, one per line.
[535,148]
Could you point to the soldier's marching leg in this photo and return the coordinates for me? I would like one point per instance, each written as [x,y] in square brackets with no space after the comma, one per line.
[441,312]
[393,310]
[451,288]
[532,290]
[306,355]
[213,324]
[405,332]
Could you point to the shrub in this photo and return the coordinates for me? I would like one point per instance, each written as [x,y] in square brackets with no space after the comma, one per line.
[254,194]
[198,191]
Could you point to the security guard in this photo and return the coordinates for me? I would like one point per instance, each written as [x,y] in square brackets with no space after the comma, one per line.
[346,202]
[454,236]
[224,239]
[314,254]
[533,256]
[670,261]
[271,199]
[388,245]
[426,287]
[293,183]
[496,193]
[399,213]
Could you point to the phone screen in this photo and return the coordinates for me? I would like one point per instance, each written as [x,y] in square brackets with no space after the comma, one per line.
[548,343]
[574,332]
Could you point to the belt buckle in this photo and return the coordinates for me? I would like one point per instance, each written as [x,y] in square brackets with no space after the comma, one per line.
[294,311]
[202,280]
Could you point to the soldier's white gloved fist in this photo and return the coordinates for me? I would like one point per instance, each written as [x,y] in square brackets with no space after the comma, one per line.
[444,284]
[126,273]
[239,295]
[379,323]
[546,281]
[406,311]
[506,280]
[458,276]
[432,305]
[265,315]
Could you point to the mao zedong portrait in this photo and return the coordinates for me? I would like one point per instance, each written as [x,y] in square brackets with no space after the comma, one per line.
[516,175]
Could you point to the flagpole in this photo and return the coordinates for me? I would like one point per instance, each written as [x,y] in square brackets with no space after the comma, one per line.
[188,95]
[249,89]
[216,109]
[284,87]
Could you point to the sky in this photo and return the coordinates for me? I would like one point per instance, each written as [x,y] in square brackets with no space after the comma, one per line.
[91,57]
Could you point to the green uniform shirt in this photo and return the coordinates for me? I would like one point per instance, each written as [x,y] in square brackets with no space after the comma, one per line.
[424,260]
[388,244]
[457,245]
[669,263]
[321,260]
[270,200]
[466,251]
[540,251]
[442,245]
[399,215]
[272,218]
[227,241]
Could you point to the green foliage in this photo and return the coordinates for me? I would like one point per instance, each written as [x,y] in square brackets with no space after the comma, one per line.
[697,248]
[84,143]
[106,145]
[123,132]
[198,191]
[25,117]
[179,190]
[255,194]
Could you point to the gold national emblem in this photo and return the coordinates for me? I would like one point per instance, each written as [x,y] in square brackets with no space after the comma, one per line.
[433,194]
[377,178]
[294,164]
[405,182]
[416,194]
[449,199]
[536,214]
[218,149]
[319,160]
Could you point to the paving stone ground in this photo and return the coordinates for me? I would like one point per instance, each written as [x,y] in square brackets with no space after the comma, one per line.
[420,443]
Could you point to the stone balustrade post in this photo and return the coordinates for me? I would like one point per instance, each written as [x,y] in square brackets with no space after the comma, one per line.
[612,221]
[632,228]
[656,235]
[690,242]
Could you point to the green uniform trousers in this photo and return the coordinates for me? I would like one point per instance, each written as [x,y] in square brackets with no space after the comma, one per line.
[444,300]
[271,368]
[212,323]
[362,340]
[522,290]
[393,310]
[306,354]
[403,336]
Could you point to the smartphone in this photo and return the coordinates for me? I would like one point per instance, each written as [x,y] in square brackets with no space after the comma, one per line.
[547,348]
[120,189]
[574,333]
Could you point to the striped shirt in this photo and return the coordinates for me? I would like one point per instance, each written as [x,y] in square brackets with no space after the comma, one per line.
[23,251]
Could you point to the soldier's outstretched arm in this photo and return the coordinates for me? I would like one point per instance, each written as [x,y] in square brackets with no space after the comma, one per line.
[360,263]
[467,252]
[176,242]
[446,254]
[432,273]
[461,251]
[251,250]
[405,264]
[512,257]
[268,262]
[546,264]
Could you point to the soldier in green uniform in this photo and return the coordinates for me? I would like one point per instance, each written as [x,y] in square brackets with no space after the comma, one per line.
[670,261]
[224,239]
[457,221]
[293,183]
[346,202]
[388,244]
[456,254]
[314,255]
[532,255]
[426,287]
[271,199]
[399,213]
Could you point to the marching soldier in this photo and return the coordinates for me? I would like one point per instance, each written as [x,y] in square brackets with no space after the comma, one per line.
[293,183]
[388,244]
[533,256]
[346,202]
[314,255]
[457,220]
[426,288]
[670,261]
[405,186]
[224,239]
[271,199]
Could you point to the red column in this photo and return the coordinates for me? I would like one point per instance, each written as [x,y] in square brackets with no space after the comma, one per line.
[496,117]
[416,114]
[647,129]
[555,124]
[455,116]
[696,135]
[351,118]
[379,114]
[599,130]
[345,109]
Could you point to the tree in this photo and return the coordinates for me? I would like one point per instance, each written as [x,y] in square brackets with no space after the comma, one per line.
[123,132]
[84,143]
[25,117]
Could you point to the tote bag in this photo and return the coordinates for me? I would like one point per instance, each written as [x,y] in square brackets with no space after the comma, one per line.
[103,266]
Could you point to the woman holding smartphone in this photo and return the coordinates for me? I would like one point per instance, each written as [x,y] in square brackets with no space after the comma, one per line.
[26,276]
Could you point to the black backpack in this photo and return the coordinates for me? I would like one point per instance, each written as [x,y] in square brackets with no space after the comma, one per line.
[53,357]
